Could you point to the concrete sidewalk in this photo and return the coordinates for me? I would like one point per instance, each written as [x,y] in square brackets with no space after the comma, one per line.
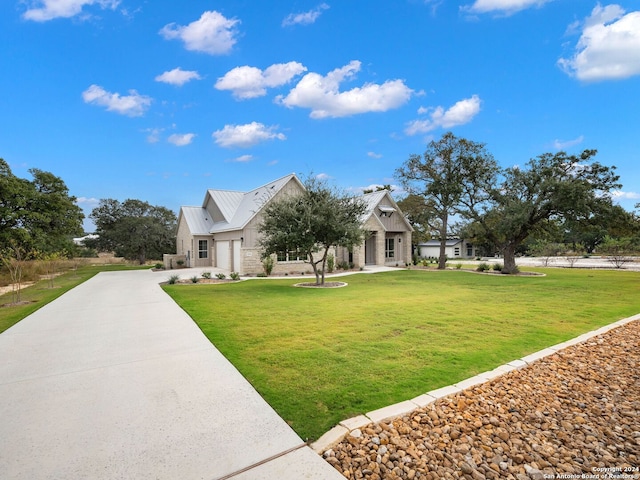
[113,380]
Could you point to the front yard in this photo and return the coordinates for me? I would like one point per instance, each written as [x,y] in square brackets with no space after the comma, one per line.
[319,356]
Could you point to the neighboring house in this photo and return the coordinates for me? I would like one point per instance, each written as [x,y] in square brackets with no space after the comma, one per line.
[223,232]
[80,240]
[455,248]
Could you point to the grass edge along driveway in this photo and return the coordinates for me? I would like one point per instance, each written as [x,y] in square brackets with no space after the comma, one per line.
[319,356]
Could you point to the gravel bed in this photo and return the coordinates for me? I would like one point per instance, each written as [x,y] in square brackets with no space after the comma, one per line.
[574,414]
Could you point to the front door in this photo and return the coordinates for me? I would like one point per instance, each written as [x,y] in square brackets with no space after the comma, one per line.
[370,250]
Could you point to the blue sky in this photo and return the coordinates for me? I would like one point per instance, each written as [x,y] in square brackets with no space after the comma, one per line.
[160,100]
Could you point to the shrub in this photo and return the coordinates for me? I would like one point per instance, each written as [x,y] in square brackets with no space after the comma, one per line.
[194,279]
[180,263]
[483,267]
[261,274]
[497,267]
[344,265]
[330,263]
[158,266]
[458,266]
[206,275]
[220,276]
[267,264]
[173,279]
[425,262]
[414,259]
[234,276]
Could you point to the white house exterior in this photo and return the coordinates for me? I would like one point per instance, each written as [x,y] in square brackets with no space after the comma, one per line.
[455,248]
[223,232]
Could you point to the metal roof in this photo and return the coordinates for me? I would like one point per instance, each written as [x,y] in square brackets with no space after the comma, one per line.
[198,220]
[451,242]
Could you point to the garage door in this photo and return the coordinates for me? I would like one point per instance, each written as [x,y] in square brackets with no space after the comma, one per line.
[222,254]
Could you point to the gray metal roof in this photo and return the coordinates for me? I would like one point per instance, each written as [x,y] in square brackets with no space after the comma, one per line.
[226,200]
[240,210]
[451,242]
[198,220]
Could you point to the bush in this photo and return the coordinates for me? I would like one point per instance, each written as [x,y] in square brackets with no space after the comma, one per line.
[158,266]
[267,264]
[206,275]
[173,279]
[194,279]
[330,263]
[180,263]
[344,265]
[483,267]
[261,274]
[220,276]
[234,276]
[497,267]
[458,266]
[425,262]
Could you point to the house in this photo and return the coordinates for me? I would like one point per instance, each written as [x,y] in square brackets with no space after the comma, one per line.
[455,248]
[223,232]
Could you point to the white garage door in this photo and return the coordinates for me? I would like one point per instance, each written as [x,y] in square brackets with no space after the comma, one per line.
[222,254]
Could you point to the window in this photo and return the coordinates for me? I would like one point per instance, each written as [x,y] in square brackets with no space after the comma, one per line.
[469,250]
[203,249]
[389,248]
[290,256]
[456,252]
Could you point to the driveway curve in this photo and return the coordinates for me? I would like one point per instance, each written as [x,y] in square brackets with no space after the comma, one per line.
[113,380]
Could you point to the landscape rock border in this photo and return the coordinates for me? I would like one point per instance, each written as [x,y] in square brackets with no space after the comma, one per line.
[409,420]
[326,285]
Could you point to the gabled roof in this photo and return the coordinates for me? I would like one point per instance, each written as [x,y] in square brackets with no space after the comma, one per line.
[382,201]
[198,220]
[239,208]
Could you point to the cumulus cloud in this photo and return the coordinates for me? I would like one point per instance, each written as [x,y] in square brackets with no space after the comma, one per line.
[374,155]
[304,18]
[323,96]
[87,202]
[212,33]
[181,139]
[459,114]
[44,10]
[178,77]
[506,7]
[608,48]
[564,144]
[619,194]
[132,105]
[250,82]
[243,158]
[245,136]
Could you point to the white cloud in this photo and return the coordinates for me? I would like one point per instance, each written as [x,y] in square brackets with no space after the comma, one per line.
[619,194]
[323,176]
[133,105]
[459,114]
[323,96]
[609,47]
[87,202]
[304,18]
[212,33]
[178,77]
[564,144]
[44,10]
[245,136]
[250,82]
[181,139]
[243,158]
[153,134]
[506,7]
[374,155]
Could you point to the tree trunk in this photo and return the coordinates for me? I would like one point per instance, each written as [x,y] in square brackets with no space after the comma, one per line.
[509,253]
[442,259]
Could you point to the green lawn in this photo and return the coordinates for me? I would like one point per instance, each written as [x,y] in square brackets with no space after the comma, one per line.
[319,356]
[41,293]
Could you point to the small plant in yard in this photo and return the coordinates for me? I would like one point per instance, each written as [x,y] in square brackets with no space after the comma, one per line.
[234,276]
[267,264]
[458,266]
[173,279]
[483,267]
[330,263]
[180,263]
[262,275]
[194,279]
[159,266]
[497,267]
[220,276]
[206,275]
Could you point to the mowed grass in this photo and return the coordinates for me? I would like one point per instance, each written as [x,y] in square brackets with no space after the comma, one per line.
[41,293]
[319,356]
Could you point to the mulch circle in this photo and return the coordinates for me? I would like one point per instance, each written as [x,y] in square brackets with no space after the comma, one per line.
[326,285]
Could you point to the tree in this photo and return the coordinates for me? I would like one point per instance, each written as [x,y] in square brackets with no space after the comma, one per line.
[449,168]
[39,214]
[525,201]
[134,229]
[310,223]
[421,216]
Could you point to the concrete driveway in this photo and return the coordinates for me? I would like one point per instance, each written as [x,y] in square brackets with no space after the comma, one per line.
[114,381]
